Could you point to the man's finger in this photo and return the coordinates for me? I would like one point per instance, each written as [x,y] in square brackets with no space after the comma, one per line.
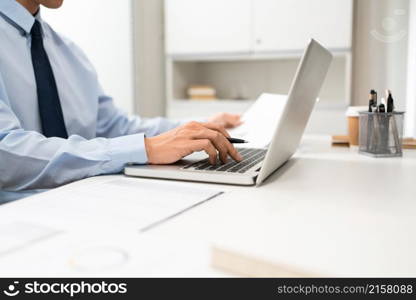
[217,139]
[236,120]
[207,146]
[234,153]
[233,121]
[223,146]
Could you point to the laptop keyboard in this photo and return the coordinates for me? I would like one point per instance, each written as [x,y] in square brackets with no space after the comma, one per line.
[251,157]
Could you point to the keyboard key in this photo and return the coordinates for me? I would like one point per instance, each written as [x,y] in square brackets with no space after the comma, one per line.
[251,157]
[243,151]
[204,166]
[247,162]
[195,164]
[248,167]
[214,167]
[246,156]
[228,165]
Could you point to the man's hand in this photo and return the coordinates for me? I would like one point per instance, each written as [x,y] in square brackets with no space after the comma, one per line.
[175,144]
[226,120]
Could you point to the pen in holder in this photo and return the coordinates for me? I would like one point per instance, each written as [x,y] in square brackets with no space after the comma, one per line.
[381,133]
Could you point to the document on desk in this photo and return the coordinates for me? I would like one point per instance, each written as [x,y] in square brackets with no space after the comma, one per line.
[119,201]
[108,253]
[260,120]
[94,228]
[19,235]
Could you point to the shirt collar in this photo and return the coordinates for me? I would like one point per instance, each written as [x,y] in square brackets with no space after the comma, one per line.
[18,15]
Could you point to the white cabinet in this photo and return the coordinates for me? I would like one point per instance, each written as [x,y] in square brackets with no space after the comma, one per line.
[246,47]
[208,26]
[286,25]
[239,27]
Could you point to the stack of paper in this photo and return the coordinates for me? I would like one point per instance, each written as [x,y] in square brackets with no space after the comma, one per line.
[260,121]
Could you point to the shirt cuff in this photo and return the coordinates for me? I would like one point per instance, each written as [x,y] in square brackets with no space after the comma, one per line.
[128,149]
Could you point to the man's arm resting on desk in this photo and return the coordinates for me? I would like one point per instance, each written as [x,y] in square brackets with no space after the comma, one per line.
[32,161]
[169,141]
[29,160]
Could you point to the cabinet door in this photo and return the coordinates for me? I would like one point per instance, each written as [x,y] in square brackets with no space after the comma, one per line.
[208,26]
[287,25]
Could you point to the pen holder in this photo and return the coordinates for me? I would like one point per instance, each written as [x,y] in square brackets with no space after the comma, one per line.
[381,134]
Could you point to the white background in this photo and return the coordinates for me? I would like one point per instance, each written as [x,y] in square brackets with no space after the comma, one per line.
[104,30]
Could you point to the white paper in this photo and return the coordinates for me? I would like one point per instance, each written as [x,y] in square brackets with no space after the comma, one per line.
[16,236]
[260,121]
[121,202]
[108,254]
[93,228]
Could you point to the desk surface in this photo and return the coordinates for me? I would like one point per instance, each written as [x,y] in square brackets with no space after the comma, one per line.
[328,211]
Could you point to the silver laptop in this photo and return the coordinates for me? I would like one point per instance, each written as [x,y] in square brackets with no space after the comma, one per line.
[257,164]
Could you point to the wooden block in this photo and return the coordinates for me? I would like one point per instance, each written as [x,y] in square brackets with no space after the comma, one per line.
[340,141]
[409,143]
[343,141]
[246,266]
[201,92]
[202,97]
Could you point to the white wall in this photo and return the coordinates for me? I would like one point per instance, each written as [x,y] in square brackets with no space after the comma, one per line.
[104,30]
[380,49]
[411,75]
[150,60]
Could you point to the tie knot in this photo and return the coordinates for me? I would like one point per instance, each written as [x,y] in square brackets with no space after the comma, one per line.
[36,30]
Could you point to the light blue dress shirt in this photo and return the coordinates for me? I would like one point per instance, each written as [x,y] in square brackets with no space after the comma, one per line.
[102,139]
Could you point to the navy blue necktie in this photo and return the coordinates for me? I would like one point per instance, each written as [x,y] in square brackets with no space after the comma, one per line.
[50,109]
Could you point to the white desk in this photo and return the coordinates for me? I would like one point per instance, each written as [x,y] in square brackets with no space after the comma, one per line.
[327,205]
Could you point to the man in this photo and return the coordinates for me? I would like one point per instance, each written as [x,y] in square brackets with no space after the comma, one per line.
[56,123]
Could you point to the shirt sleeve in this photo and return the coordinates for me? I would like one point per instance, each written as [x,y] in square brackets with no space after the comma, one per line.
[29,160]
[112,122]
